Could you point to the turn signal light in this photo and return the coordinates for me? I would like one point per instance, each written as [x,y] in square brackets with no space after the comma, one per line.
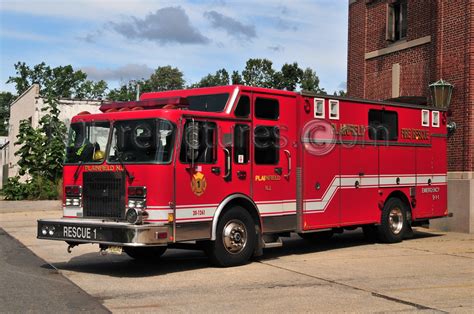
[137,191]
[73,190]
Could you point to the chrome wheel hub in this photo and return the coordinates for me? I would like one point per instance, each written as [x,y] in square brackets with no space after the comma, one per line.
[234,236]
[395,220]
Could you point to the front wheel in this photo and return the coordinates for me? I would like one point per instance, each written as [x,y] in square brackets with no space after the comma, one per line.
[393,224]
[235,238]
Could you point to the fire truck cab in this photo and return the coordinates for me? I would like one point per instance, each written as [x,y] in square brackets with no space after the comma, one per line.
[232,169]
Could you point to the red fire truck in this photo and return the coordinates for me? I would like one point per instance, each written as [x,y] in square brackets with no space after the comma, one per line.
[233,169]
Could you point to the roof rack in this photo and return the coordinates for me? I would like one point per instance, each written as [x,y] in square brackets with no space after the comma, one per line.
[156,103]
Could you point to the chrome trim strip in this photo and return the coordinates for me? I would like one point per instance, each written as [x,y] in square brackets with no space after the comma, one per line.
[221,207]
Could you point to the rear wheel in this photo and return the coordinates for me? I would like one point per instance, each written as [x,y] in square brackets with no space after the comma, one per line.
[235,238]
[145,253]
[393,224]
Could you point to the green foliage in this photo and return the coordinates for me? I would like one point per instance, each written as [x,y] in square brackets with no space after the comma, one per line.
[36,188]
[310,82]
[41,149]
[6,98]
[341,93]
[221,77]
[15,190]
[236,78]
[259,72]
[289,77]
[165,78]
[61,81]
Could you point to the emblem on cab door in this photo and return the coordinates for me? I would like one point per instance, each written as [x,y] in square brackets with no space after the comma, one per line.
[198,184]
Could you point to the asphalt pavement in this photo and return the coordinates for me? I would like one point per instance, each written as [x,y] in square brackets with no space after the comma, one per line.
[30,284]
[433,272]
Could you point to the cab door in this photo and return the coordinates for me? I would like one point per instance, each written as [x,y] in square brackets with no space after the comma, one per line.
[274,157]
[199,178]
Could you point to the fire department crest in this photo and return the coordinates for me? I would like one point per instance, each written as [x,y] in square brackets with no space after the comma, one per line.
[198,184]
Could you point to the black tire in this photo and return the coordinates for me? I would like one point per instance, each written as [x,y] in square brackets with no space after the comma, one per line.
[370,233]
[145,253]
[229,248]
[393,224]
[317,237]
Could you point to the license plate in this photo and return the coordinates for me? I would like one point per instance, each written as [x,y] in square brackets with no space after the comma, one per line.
[79,232]
[114,250]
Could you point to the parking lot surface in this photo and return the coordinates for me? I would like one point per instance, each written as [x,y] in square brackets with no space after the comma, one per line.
[432,272]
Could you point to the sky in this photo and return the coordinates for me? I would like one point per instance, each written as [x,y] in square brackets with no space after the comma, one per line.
[122,40]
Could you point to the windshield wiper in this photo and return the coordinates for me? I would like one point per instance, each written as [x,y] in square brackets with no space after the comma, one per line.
[76,174]
[120,160]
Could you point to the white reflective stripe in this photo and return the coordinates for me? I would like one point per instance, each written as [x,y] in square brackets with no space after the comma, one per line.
[158,215]
[192,214]
[393,180]
[439,179]
[369,181]
[197,205]
[282,208]
[232,100]
[72,211]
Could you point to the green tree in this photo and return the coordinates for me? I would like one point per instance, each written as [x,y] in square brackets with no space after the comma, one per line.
[236,78]
[165,78]
[6,98]
[289,77]
[61,81]
[221,77]
[341,93]
[128,91]
[259,72]
[41,149]
[310,82]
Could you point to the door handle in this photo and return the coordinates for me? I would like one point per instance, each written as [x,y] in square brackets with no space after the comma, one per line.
[278,171]
[288,156]
[216,170]
[228,165]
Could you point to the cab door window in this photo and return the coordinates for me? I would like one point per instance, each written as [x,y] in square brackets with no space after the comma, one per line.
[241,143]
[199,142]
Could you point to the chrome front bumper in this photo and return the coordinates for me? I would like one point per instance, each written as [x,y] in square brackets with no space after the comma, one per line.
[109,233]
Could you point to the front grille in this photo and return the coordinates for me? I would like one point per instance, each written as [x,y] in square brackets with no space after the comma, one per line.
[104,194]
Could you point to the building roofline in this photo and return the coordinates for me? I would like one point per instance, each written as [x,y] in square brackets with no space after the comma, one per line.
[24,93]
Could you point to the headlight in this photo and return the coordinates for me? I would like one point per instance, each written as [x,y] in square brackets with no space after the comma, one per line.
[73,201]
[44,231]
[136,216]
[136,203]
[51,231]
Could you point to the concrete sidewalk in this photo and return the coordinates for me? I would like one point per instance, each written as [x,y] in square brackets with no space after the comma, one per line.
[432,272]
[27,206]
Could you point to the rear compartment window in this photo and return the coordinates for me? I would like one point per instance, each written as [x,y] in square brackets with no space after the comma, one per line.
[267,108]
[383,125]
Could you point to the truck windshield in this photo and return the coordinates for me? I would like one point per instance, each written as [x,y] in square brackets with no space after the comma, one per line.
[142,141]
[87,142]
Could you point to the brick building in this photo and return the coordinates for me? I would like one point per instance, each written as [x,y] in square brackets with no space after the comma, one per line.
[397,48]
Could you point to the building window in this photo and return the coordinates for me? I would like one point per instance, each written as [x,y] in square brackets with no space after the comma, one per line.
[397,20]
